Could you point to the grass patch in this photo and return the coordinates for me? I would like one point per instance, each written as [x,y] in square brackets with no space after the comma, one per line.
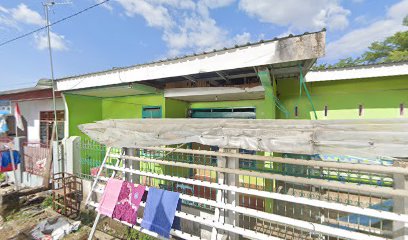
[47,202]
[134,235]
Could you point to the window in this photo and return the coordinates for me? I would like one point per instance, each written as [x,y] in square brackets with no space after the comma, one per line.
[46,125]
[239,113]
[152,112]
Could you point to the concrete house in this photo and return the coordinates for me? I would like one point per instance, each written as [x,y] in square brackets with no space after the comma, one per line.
[265,80]
[37,111]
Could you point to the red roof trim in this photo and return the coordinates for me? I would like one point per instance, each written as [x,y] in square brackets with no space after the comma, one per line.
[30,95]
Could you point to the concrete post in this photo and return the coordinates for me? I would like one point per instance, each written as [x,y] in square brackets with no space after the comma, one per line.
[72,149]
[136,166]
[18,146]
[400,230]
[232,197]
[219,214]
[56,160]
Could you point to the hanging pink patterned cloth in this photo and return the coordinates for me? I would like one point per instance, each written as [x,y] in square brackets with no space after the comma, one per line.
[128,202]
[110,197]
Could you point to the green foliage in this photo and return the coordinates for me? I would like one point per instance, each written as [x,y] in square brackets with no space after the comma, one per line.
[47,202]
[377,52]
[87,217]
[392,49]
[136,235]
[348,62]
[405,21]
[2,177]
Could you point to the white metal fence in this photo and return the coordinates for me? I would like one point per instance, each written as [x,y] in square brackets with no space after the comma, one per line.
[246,194]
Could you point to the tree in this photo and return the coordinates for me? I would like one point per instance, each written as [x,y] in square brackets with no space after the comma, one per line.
[393,48]
[377,52]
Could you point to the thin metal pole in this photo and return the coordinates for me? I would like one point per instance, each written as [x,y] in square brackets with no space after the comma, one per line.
[46,8]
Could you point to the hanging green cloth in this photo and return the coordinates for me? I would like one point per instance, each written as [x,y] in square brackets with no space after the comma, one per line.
[265,78]
[302,84]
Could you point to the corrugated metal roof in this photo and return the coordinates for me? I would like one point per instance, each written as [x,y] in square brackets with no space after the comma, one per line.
[190,55]
[361,66]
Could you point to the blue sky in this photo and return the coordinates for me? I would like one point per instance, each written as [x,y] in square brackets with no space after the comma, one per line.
[127,32]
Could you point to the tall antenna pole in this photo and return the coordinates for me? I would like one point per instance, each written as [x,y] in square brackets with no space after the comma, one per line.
[47,5]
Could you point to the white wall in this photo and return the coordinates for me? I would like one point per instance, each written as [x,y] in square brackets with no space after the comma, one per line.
[30,110]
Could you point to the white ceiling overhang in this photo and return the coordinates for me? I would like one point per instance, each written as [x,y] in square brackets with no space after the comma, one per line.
[116,91]
[359,72]
[209,94]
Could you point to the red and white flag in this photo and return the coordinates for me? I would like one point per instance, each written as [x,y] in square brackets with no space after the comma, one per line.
[19,118]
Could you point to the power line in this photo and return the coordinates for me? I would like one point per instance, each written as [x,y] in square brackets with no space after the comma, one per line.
[52,24]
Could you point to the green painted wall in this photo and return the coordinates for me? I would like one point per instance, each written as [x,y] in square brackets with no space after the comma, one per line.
[176,108]
[380,97]
[130,106]
[82,109]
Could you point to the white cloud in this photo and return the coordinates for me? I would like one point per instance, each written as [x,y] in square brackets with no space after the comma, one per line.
[187,25]
[179,4]
[155,15]
[3,9]
[217,3]
[6,21]
[105,5]
[25,15]
[305,15]
[242,38]
[356,41]
[398,11]
[22,14]
[58,42]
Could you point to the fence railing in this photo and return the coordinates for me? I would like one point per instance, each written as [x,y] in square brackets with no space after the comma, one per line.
[256,195]
[92,154]
[35,157]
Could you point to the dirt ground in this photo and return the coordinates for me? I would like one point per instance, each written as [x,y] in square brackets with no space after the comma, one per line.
[17,223]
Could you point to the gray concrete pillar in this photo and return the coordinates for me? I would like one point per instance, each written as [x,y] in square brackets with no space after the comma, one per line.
[232,197]
[219,214]
[400,230]
[18,146]
[72,148]
[57,165]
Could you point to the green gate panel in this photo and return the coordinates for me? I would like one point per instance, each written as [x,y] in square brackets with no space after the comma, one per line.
[152,112]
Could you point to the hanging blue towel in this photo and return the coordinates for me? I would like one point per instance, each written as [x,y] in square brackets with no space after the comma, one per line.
[160,211]
[6,158]
[3,125]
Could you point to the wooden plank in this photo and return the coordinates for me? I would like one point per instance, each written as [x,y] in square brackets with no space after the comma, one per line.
[48,163]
